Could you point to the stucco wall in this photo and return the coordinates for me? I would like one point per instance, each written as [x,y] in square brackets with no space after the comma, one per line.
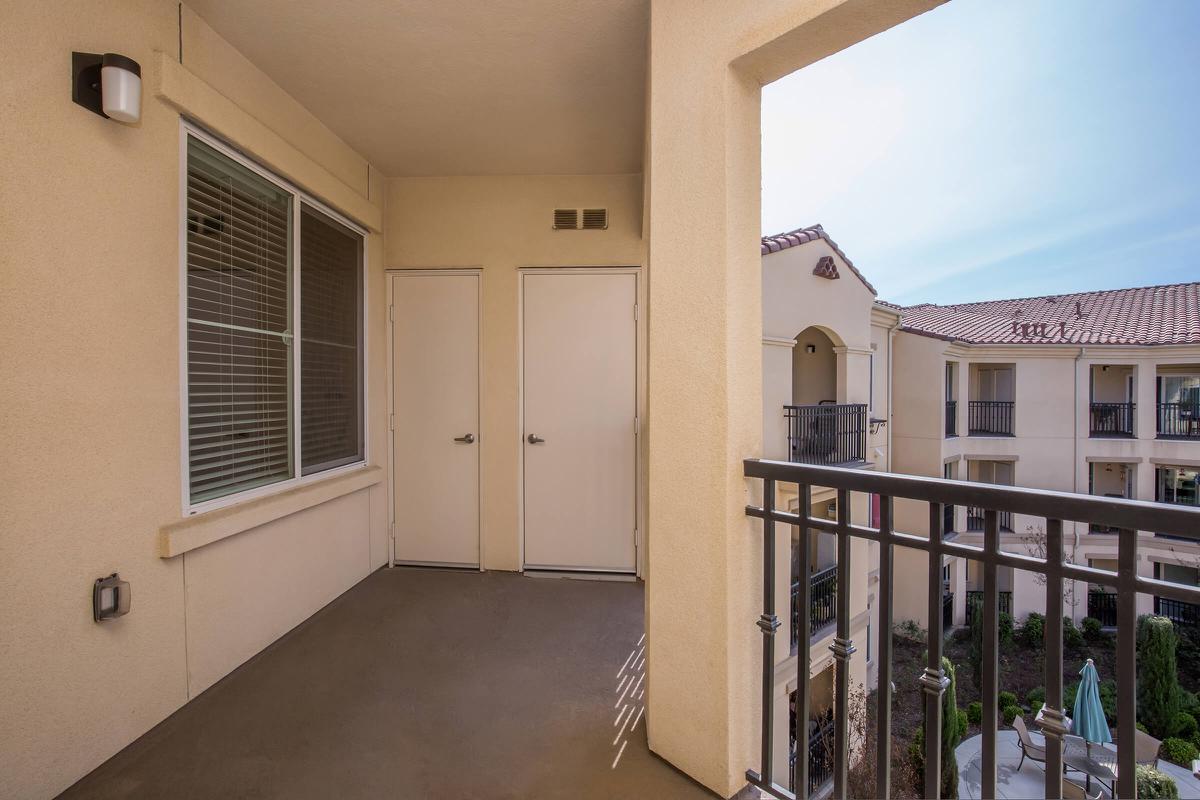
[502,224]
[90,402]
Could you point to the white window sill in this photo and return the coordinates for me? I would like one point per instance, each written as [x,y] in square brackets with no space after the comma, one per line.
[198,530]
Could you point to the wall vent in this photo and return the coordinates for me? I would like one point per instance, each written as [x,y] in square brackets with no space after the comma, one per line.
[595,219]
[566,219]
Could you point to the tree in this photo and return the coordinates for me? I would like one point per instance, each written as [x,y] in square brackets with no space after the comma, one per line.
[951,733]
[1035,545]
[1158,694]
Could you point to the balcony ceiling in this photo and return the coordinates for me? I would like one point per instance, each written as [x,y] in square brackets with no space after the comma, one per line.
[429,87]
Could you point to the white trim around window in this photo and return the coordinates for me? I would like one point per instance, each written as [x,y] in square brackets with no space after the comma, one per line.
[300,199]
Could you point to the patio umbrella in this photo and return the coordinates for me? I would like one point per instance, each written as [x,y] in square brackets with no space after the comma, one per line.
[1089,722]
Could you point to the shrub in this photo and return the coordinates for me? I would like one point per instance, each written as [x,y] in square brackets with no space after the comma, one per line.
[1141,727]
[975,713]
[1183,726]
[1188,701]
[1153,783]
[1036,698]
[962,723]
[1108,700]
[1006,630]
[1033,632]
[952,729]
[1069,697]
[1006,699]
[1179,751]
[1092,628]
[1072,636]
[1010,713]
[1158,694]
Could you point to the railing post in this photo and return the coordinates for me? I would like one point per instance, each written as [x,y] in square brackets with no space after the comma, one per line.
[991,647]
[934,680]
[804,648]
[883,694]
[1053,722]
[768,623]
[1126,662]
[842,649]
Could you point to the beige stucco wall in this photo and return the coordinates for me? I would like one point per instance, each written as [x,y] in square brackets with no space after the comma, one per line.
[503,224]
[90,403]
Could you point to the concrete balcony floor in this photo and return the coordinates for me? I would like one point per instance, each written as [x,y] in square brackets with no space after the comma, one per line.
[422,684]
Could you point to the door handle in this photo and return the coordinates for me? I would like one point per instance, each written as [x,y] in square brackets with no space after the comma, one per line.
[535,439]
[470,437]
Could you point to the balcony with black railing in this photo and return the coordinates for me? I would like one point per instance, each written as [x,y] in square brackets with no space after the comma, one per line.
[1103,606]
[1179,420]
[977,515]
[975,600]
[820,756]
[951,418]
[1178,611]
[822,602]
[990,417]
[830,433]
[1112,420]
[1053,510]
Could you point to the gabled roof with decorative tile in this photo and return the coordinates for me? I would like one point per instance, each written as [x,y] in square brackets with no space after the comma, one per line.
[1150,315]
[782,241]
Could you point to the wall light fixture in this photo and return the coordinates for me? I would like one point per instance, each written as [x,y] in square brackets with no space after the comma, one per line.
[107,84]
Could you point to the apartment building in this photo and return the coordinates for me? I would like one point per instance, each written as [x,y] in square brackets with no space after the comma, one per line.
[827,346]
[1095,393]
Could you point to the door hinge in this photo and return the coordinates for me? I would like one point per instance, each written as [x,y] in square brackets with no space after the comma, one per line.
[635,312]
[391,422]
[635,426]
[391,313]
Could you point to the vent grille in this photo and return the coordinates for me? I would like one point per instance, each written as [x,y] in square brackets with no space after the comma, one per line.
[595,219]
[566,219]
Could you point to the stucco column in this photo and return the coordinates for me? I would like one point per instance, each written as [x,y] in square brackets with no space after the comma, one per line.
[1145,386]
[703,589]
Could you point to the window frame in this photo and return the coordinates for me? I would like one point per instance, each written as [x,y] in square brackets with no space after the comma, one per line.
[300,198]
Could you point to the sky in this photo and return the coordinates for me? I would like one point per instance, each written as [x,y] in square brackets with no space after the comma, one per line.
[999,148]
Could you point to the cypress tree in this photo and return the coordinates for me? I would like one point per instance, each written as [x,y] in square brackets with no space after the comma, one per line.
[1158,694]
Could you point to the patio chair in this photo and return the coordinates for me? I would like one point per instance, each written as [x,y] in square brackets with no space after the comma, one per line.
[1073,791]
[1145,749]
[1035,752]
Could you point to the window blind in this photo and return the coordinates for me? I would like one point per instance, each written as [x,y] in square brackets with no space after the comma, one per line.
[238,261]
[331,430]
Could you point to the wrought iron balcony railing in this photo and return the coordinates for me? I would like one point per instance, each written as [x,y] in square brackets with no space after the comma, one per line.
[990,417]
[975,600]
[1103,606]
[1053,508]
[951,418]
[1112,419]
[827,434]
[1178,611]
[820,757]
[1179,420]
[822,601]
[975,517]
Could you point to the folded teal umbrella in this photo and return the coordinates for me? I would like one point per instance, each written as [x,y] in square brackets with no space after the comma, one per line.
[1089,722]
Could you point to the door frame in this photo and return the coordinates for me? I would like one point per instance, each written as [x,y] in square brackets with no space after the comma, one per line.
[392,276]
[640,380]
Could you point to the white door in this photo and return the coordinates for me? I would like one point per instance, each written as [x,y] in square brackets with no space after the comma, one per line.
[579,437]
[435,437]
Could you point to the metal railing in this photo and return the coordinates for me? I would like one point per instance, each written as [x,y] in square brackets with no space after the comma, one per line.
[827,434]
[975,518]
[1178,611]
[1112,419]
[975,600]
[1103,606]
[820,758]
[822,603]
[951,418]
[948,609]
[1179,420]
[990,417]
[1054,508]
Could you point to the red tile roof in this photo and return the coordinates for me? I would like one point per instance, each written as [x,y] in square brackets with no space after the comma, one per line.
[1144,316]
[782,241]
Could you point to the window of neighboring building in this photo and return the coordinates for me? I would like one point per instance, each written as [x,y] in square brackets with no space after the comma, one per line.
[1179,389]
[1176,485]
[273,305]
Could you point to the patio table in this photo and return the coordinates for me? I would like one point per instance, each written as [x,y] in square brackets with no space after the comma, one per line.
[1093,760]
[1040,717]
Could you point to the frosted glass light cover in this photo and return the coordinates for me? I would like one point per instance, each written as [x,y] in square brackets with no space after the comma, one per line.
[121,88]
